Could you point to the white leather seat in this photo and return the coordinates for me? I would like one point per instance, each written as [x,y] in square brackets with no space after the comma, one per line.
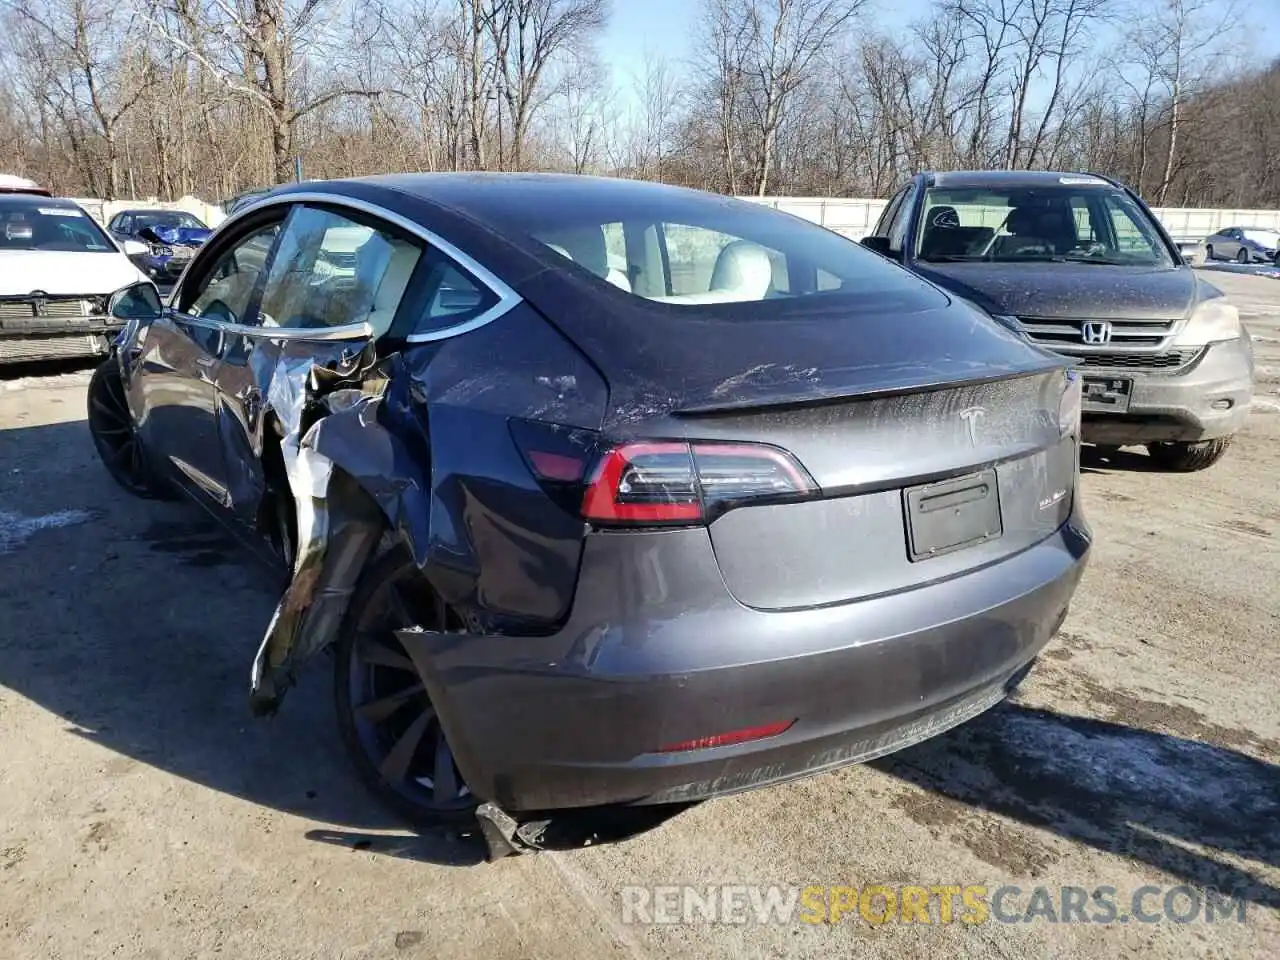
[586,246]
[743,270]
[402,258]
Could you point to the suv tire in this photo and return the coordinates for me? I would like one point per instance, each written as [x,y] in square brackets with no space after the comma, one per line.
[1188,457]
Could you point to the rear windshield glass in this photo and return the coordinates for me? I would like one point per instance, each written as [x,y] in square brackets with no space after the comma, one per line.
[1056,224]
[28,224]
[695,251]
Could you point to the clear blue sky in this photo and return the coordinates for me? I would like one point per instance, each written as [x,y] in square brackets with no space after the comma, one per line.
[668,28]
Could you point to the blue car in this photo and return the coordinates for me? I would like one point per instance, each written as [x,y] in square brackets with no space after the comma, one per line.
[172,238]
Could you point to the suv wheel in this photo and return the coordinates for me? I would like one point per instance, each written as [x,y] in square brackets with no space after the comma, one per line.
[1188,457]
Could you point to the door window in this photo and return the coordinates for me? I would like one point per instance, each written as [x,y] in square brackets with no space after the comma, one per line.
[330,271]
[902,219]
[889,212]
[226,292]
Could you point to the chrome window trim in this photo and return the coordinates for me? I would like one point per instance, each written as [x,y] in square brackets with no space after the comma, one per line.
[347,331]
[507,298]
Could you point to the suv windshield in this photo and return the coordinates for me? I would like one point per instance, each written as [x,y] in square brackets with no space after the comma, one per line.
[167,219]
[29,223]
[1059,223]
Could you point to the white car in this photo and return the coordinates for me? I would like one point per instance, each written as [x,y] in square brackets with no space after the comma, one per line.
[58,269]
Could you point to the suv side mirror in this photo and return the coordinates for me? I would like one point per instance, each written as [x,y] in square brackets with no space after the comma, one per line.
[139,301]
[880,245]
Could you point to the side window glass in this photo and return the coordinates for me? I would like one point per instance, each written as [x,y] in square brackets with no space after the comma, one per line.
[330,271]
[453,296]
[226,291]
[902,219]
[887,215]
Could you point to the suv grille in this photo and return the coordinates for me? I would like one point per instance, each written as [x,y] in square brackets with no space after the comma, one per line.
[1135,361]
[1059,333]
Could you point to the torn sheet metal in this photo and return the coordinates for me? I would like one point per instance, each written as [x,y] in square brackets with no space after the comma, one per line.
[339,524]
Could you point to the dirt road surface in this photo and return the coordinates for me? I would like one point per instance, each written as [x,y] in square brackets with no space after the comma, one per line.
[144,814]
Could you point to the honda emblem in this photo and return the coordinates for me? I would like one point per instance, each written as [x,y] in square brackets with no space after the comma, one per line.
[1096,332]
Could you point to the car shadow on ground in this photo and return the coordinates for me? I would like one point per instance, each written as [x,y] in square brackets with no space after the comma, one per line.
[1095,460]
[135,623]
[1201,813]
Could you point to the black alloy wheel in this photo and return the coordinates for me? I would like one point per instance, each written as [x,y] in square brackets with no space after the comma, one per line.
[387,720]
[115,435]
[1243,256]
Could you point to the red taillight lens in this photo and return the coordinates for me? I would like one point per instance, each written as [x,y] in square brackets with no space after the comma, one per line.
[744,735]
[676,482]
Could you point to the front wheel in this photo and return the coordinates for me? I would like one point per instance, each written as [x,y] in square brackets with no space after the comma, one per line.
[1243,256]
[115,434]
[1188,457]
[388,723]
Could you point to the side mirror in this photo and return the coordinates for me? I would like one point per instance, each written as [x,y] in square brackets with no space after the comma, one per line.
[140,301]
[135,248]
[880,245]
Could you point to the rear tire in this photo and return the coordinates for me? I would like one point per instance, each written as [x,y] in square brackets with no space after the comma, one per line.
[115,435]
[1208,253]
[1188,457]
[385,716]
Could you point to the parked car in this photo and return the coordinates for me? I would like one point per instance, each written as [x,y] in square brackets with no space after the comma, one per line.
[1077,264]
[171,237]
[748,505]
[58,269]
[1244,245]
[12,184]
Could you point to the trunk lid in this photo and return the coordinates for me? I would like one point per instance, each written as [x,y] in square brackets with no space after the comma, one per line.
[873,406]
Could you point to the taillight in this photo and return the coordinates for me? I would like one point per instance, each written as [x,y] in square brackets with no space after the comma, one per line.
[675,482]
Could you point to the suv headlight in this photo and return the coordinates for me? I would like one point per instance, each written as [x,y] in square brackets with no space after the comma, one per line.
[1210,322]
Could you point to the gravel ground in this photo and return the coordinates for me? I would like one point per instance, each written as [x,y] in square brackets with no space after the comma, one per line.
[144,814]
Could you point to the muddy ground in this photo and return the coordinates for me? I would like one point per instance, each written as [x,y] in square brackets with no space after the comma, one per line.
[144,814]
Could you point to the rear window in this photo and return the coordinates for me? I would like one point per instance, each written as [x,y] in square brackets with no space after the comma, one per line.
[696,252]
[26,223]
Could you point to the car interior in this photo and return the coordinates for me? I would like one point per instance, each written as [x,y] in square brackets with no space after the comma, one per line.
[740,271]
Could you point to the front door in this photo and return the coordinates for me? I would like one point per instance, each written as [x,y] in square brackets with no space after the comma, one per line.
[181,358]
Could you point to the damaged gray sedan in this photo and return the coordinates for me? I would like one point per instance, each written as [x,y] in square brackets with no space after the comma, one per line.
[604,492]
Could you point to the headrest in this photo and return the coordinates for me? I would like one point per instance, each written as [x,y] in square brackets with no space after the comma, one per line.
[744,269]
[585,246]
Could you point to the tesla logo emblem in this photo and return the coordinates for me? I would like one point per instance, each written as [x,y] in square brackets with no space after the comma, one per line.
[971,416]
[40,303]
[1096,332]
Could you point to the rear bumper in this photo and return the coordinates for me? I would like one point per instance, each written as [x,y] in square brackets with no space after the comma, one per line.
[657,652]
[1207,400]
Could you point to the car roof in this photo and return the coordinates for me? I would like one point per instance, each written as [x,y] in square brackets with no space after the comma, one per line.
[1016,178]
[511,200]
[36,200]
